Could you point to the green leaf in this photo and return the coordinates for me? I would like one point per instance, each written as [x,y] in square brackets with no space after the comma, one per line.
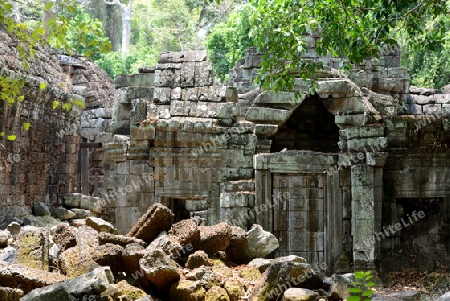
[42,86]
[367,293]
[21,98]
[2,134]
[67,106]
[55,104]
[26,126]
[354,298]
[49,5]
[79,103]
[354,290]
[11,137]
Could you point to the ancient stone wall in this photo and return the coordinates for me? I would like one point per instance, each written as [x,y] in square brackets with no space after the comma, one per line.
[193,146]
[41,164]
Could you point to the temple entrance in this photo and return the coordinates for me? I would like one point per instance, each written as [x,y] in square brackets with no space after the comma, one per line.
[299,220]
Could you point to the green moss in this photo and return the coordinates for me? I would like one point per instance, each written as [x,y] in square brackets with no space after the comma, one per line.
[250,273]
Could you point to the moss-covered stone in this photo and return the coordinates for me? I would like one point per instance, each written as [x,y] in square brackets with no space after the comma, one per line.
[216,293]
[187,290]
[130,291]
[32,248]
[250,273]
[235,288]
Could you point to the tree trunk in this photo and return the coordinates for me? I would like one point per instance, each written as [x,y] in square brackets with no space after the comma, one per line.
[48,14]
[125,10]
[126,29]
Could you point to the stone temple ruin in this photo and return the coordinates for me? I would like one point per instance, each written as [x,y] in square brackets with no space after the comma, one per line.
[330,173]
[354,173]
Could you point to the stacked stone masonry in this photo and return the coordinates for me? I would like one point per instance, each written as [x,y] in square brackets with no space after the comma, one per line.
[324,172]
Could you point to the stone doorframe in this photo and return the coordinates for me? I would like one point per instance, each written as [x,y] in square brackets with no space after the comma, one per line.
[293,162]
[366,199]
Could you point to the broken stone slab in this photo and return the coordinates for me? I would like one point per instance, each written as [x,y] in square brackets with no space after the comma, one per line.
[78,260]
[122,240]
[290,269]
[97,283]
[63,213]
[81,213]
[40,209]
[267,115]
[214,238]
[168,244]
[100,225]
[235,288]
[422,91]
[260,243]
[160,269]
[300,294]
[109,255]
[32,245]
[158,218]
[131,292]
[186,231]
[444,297]
[25,277]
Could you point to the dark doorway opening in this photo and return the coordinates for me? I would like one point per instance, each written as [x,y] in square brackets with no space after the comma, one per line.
[422,237]
[310,127]
[178,207]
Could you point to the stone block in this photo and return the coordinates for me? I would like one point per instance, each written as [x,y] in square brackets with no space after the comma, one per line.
[189,94]
[267,115]
[137,80]
[142,132]
[183,108]
[204,93]
[278,99]
[176,93]
[421,99]
[164,78]
[265,130]
[359,119]
[138,112]
[162,95]
[228,200]
[224,94]
[336,87]
[430,109]
[203,74]
[373,144]
[187,75]
[364,132]
[228,111]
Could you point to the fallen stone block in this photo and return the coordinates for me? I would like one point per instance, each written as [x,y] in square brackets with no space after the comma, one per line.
[97,283]
[160,269]
[158,218]
[27,278]
[121,240]
[100,225]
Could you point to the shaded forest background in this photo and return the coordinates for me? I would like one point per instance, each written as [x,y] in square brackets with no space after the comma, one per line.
[224,29]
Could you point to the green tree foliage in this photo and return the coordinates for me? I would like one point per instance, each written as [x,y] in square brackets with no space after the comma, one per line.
[356,29]
[28,35]
[228,41]
[427,54]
